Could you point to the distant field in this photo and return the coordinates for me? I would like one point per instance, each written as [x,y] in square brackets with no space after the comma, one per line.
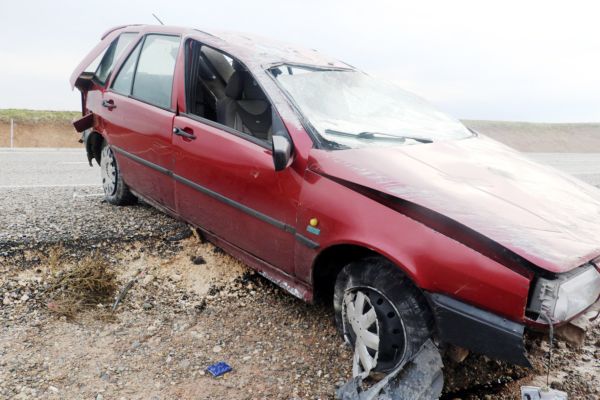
[35,128]
[37,116]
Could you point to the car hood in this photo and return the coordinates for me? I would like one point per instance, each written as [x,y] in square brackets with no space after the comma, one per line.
[547,217]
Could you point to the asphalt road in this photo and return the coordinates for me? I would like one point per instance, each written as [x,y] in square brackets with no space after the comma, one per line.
[585,166]
[31,168]
[52,195]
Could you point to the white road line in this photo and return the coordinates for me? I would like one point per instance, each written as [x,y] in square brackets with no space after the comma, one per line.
[21,150]
[52,152]
[73,162]
[78,196]
[49,186]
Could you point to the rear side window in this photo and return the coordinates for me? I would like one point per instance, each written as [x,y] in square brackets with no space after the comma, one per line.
[112,55]
[153,81]
[124,80]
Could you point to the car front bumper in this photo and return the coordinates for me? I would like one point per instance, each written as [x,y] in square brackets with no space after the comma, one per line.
[480,331]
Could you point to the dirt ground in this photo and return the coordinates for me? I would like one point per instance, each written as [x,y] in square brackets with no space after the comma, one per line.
[191,306]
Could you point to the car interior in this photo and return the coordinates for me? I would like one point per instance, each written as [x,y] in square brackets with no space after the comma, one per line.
[220,89]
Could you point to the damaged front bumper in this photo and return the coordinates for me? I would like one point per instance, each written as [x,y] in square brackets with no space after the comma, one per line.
[556,300]
[480,331]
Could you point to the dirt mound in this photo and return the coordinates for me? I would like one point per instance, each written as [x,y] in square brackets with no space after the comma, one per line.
[542,138]
[43,134]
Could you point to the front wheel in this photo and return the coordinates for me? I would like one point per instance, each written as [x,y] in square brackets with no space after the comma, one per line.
[116,190]
[381,313]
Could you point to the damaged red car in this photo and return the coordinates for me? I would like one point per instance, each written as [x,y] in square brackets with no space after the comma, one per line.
[334,184]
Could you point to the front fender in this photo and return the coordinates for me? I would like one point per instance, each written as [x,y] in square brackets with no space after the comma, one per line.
[435,262]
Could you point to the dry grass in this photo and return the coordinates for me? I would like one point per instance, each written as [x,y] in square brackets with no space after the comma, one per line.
[89,283]
[37,116]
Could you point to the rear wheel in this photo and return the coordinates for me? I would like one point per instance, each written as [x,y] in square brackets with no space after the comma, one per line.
[381,314]
[116,190]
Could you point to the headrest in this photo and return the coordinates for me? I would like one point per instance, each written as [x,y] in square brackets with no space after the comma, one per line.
[241,85]
[234,87]
[204,70]
[237,66]
[251,89]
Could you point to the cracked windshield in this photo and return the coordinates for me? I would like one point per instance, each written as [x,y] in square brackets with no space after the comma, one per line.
[352,109]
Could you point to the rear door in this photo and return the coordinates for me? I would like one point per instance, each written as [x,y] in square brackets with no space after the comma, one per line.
[138,117]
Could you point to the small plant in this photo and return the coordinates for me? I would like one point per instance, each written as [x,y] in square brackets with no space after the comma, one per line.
[86,284]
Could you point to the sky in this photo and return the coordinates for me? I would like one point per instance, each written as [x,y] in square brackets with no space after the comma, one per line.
[521,60]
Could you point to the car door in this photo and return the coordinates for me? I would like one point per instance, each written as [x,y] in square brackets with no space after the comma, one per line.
[138,117]
[227,184]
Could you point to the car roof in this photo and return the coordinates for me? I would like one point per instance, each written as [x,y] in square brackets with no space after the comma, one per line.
[249,48]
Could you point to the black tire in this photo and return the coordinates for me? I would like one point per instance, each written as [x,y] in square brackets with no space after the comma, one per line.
[404,320]
[116,190]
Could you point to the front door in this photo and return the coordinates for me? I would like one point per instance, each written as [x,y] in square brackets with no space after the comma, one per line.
[225,182]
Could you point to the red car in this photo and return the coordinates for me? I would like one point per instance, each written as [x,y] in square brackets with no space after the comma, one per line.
[330,182]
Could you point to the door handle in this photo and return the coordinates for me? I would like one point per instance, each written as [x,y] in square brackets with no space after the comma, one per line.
[110,104]
[183,133]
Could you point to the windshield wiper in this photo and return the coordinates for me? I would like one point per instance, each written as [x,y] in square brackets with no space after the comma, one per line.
[377,136]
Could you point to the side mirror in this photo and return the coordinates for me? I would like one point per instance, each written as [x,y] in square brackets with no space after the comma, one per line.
[282,151]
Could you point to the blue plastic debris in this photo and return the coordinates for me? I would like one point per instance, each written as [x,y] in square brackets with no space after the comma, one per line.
[219,369]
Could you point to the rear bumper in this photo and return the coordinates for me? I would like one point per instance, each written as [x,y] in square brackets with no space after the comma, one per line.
[480,331]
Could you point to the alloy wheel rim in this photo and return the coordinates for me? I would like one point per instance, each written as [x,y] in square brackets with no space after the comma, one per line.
[360,314]
[108,168]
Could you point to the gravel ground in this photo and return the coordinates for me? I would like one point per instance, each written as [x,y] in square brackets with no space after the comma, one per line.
[190,306]
[44,216]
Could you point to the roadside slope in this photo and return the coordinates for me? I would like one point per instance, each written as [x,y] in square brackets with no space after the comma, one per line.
[38,128]
[542,138]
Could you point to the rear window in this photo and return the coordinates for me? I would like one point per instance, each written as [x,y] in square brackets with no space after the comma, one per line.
[153,82]
[112,55]
[123,82]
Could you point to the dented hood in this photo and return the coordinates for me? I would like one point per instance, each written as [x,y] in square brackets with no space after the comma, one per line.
[547,217]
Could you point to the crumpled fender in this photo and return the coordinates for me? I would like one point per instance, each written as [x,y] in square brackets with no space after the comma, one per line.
[548,218]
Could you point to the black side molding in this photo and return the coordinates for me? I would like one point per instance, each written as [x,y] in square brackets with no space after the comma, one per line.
[202,189]
[480,331]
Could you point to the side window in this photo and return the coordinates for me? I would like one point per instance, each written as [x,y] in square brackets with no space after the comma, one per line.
[112,55]
[124,81]
[94,64]
[153,81]
[220,89]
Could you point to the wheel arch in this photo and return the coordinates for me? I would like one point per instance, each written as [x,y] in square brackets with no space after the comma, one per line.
[330,261]
[93,146]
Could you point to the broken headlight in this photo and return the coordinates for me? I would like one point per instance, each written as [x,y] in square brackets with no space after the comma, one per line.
[566,296]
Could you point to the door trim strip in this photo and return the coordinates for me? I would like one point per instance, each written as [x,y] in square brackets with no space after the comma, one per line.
[217,196]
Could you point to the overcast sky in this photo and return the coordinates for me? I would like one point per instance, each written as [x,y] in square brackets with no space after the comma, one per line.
[510,60]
